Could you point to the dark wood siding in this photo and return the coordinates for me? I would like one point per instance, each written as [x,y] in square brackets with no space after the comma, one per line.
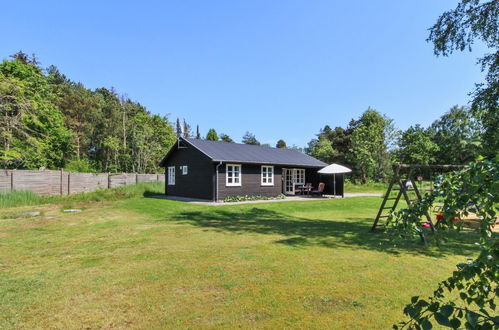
[198,182]
[250,182]
[331,181]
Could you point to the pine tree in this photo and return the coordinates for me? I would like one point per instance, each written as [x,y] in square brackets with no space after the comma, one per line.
[281,144]
[212,135]
[178,128]
[186,129]
[250,138]
[198,135]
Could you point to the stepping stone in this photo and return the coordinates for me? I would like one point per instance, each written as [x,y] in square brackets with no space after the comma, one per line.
[29,214]
[72,210]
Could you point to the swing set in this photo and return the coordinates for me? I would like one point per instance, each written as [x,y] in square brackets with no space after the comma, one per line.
[404,184]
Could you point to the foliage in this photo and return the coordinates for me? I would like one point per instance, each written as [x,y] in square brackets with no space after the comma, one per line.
[198,135]
[47,120]
[31,127]
[323,150]
[226,138]
[239,198]
[80,166]
[363,146]
[186,129]
[281,144]
[417,146]
[368,151]
[178,128]
[250,138]
[458,30]
[471,191]
[459,134]
[212,135]
[340,139]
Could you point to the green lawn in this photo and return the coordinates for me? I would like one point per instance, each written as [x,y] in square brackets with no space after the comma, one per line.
[151,263]
[371,187]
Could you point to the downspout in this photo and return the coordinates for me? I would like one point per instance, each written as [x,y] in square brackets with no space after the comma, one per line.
[216,182]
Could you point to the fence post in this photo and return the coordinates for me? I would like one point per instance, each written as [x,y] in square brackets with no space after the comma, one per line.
[136,178]
[12,180]
[108,180]
[60,181]
[69,183]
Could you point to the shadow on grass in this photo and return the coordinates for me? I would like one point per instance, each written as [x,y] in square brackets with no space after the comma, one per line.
[352,232]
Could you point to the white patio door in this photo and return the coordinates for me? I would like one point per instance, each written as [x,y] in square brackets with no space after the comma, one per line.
[289,183]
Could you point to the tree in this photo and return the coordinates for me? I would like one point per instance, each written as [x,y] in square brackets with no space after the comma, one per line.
[249,138]
[178,128]
[473,288]
[368,151]
[467,299]
[47,120]
[212,135]
[416,146]
[281,144]
[459,134]
[323,150]
[340,139]
[34,135]
[186,129]
[458,30]
[198,135]
[226,138]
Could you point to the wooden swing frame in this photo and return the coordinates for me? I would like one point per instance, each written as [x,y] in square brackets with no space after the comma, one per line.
[400,182]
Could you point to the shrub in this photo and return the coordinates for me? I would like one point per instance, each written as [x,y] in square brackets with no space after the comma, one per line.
[240,198]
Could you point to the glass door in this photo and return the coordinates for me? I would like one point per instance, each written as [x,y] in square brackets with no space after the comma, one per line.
[289,185]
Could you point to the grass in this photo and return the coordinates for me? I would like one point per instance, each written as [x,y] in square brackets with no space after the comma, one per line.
[153,263]
[22,197]
[371,187]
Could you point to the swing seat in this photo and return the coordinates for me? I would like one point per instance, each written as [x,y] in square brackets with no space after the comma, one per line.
[426,225]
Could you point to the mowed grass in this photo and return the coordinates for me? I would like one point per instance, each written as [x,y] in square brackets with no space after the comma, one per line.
[26,197]
[371,187]
[154,263]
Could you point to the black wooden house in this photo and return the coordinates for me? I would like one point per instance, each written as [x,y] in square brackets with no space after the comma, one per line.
[215,170]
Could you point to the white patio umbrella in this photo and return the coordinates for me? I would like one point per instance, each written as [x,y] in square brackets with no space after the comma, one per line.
[334,169]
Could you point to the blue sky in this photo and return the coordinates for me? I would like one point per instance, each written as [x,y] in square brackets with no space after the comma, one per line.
[279,69]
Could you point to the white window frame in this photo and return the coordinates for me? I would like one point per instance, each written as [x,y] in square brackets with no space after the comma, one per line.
[230,174]
[171,175]
[184,170]
[267,175]
[299,176]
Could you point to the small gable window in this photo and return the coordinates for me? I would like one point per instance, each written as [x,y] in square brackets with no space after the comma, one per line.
[233,175]
[184,169]
[267,175]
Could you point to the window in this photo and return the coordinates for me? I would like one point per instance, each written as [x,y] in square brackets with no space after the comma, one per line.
[233,175]
[171,175]
[184,169]
[267,175]
[299,174]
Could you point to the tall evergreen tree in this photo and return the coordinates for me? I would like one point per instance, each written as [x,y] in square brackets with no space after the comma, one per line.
[186,128]
[226,138]
[198,135]
[178,128]
[212,135]
[250,138]
[281,144]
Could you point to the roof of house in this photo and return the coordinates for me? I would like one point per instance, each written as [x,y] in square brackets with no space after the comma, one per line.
[246,153]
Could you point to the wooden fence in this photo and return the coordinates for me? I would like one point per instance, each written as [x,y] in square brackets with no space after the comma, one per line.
[47,182]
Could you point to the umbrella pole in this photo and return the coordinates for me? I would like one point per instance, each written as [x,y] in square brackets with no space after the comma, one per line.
[334,184]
